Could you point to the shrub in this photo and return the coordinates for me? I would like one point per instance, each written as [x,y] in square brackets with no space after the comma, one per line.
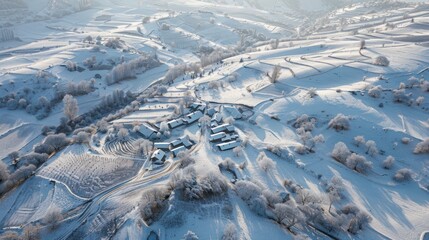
[82,137]
[230,232]
[71,66]
[152,202]
[71,108]
[340,152]
[403,174]
[388,162]
[405,140]
[359,140]
[265,163]
[190,236]
[340,122]
[53,217]
[375,92]
[382,61]
[228,164]
[358,163]
[287,215]
[420,100]
[422,147]
[371,148]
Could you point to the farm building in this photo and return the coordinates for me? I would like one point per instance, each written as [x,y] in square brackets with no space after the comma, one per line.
[148,131]
[217,136]
[158,156]
[175,123]
[228,145]
[162,145]
[193,117]
[178,150]
[223,128]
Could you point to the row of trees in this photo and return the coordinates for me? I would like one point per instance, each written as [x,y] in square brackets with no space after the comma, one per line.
[131,68]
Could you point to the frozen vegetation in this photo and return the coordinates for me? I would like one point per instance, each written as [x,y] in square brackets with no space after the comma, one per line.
[214,119]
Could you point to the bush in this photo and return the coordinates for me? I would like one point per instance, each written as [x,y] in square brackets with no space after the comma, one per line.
[371,148]
[230,232]
[53,217]
[152,202]
[190,236]
[358,163]
[375,92]
[359,140]
[265,163]
[388,162]
[54,142]
[403,174]
[340,152]
[4,172]
[422,147]
[340,122]
[82,137]
[71,66]
[382,61]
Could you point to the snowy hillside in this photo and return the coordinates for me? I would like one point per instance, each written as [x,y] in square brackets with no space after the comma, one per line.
[214,119]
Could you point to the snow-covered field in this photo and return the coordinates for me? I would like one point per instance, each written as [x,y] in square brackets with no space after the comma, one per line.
[214,120]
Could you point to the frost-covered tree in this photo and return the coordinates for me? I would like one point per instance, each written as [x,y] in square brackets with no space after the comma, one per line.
[381,61]
[53,217]
[375,92]
[82,137]
[359,140]
[340,122]
[230,232]
[287,215]
[144,147]
[422,147]
[388,162]
[404,174]
[190,236]
[420,100]
[71,66]
[265,163]
[272,197]
[371,148]
[228,164]
[340,152]
[358,163]
[71,108]
[123,135]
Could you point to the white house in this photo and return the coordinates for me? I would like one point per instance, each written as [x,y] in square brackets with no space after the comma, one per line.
[228,145]
[175,123]
[178,150]
[158,156]
[223,128]
[193,117]
[217,136]
[162,145]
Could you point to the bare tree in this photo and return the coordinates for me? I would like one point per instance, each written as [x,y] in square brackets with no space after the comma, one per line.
[340,152]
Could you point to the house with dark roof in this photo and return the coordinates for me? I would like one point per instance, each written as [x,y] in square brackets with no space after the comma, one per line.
[148,131]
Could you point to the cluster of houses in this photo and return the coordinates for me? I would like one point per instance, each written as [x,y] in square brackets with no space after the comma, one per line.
[174,148]
[223,135]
